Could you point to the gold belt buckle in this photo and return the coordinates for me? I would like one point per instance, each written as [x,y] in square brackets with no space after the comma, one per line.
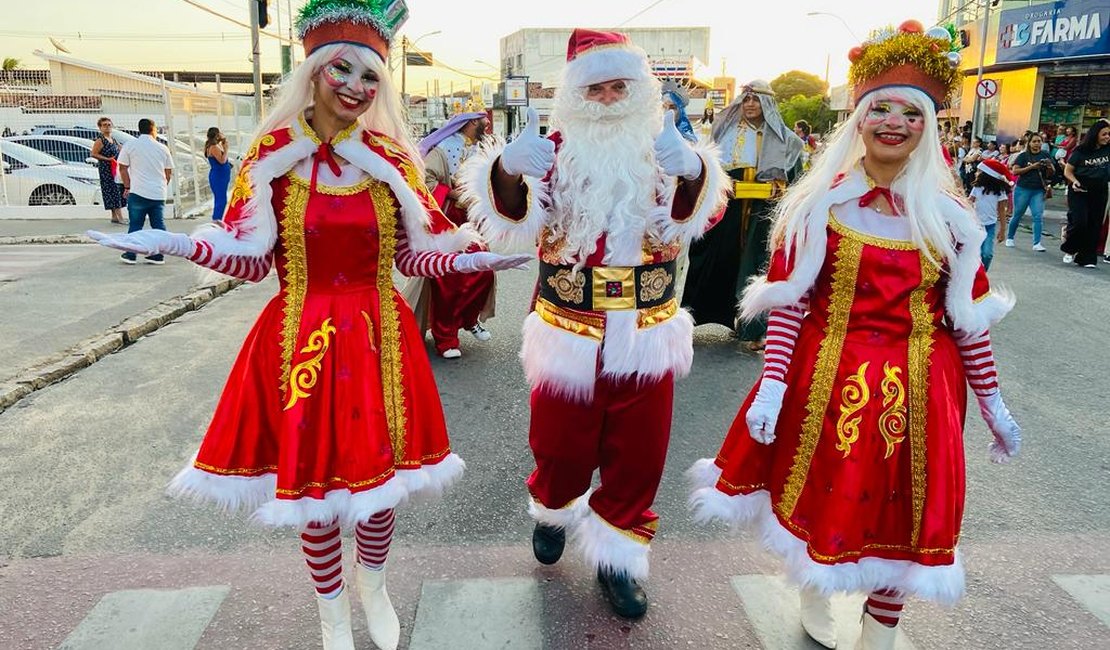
[751,190]
[614,288]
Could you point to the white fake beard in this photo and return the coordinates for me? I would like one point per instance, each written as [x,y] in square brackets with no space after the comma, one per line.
[606,171]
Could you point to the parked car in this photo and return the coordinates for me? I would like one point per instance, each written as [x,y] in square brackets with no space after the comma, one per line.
[83,132]
[32,177]
[65,147]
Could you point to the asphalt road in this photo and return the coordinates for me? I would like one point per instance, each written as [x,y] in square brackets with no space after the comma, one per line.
[83,518]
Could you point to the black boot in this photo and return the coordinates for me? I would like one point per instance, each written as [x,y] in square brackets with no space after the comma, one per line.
[548,543]
[625,595]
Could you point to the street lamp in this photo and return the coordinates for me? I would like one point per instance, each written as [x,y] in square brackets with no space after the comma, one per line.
[842,22]
[405,45]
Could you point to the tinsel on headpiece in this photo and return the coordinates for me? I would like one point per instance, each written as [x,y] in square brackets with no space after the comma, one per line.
[371,23]
[910,56]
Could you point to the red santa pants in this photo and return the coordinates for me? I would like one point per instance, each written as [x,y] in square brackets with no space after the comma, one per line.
[456,301]
[624,432]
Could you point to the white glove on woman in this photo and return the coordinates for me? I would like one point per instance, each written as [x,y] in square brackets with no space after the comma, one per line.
[483,261]
[147,242]
[1007,433]
[763,414]
[673,153]
[530,153]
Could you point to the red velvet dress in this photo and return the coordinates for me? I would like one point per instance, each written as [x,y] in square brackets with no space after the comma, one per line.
[331,409]
[868,463]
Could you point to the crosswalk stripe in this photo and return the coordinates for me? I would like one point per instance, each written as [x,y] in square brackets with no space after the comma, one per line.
[1092,592]
[773,609]
[141,619]
[502,613]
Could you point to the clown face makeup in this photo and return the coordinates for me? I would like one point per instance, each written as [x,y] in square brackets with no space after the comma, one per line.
[347,87]
[891,130]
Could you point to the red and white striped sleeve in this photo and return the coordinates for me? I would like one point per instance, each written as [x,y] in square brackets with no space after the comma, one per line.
[425,264]
[783,326]
[251,269]
[978,362]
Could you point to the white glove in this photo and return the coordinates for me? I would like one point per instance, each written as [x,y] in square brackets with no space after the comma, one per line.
[673,153]
[482,261]
[1007,433]
[147,242]
[530,153]
[763,414]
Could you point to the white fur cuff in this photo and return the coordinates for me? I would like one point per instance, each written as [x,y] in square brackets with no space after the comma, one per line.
[713,195]
[502,232]
[604,546]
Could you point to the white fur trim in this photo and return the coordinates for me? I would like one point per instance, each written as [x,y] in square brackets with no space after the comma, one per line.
[606,64]
[604,546]
[562,363]
[649,353]
[714,193]
[565,518]
[413,214]
[704,473]
[257,494]
[942,584]
[503,233]
[967,315]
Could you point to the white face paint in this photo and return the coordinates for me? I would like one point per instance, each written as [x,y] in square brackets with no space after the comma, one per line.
[348,87]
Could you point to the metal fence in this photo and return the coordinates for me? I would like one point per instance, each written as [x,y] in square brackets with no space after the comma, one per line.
[48,126]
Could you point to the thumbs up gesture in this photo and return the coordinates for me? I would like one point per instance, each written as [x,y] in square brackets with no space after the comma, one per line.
[530,153]
[672,152]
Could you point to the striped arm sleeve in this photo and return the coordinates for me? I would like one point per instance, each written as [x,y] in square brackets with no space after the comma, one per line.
[783,326]
[425,264]
[251,269]
[978,362]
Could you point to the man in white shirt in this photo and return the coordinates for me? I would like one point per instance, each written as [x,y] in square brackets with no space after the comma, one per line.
[145,166]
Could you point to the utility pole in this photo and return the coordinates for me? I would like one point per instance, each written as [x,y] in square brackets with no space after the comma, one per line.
[256,59]
[404,64]
[976,111]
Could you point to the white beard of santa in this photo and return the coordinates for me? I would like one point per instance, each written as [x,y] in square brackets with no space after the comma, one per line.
[606,171]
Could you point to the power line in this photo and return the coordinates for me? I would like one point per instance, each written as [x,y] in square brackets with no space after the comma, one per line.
[642,12]
[238,22]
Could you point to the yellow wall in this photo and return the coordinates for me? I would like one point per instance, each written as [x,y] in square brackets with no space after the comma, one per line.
[1019,94]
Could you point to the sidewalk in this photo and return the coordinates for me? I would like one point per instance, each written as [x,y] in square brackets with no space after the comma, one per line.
[68,303]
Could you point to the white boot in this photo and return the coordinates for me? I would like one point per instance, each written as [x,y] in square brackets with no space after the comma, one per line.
[335,621]
[875,635]
[385,629]
[817,618]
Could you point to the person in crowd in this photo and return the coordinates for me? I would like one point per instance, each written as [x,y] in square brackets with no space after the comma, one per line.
[146,167]
[1004,157]
[1087,172]
[847,457]
[330,417]
[1067,141]
[610,198]
[803,130]
[989,195]
[219,170]
[674,99]
[1016,148]
[762,155]
[450,303]
[971,158]
[105,149]
[991,152]
[1034,170]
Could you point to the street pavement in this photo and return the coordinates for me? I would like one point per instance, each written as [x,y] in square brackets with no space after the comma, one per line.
[93,555]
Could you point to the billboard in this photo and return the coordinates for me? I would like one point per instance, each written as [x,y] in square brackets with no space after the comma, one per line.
[516,91]
[1055,30]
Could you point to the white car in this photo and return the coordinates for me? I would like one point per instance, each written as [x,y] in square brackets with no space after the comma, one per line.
[34,178]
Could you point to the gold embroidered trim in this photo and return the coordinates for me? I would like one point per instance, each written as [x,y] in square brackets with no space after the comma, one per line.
[393,389]
[370,332]
[742,488]
[633,534]
[652,316]
[333,481]
[880,242]
[420,462]
[920,347]
[981,298]
[412,176]
[568,285]
[654,283]
[244,471]
[892,423]
[339,137]
[334,190]
[845,271]
[576,323]
[805,535]
[854,396]
[296,274]
[304,375]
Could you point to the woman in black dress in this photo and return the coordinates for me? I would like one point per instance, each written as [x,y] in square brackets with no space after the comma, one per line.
[105,149]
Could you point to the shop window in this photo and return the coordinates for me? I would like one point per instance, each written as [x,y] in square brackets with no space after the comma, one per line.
[990,110]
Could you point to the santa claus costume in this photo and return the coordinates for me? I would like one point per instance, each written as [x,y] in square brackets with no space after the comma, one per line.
[610,199]
[847,455]
[330,416]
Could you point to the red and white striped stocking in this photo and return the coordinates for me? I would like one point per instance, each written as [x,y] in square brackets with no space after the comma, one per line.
[323,552]
[373,537]
[885,606]
[783,326]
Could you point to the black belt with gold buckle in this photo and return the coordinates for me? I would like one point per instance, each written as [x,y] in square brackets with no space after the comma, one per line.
[607,288]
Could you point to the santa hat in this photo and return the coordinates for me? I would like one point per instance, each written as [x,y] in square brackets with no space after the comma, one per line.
[911,57]
[593,57]
[995,169]
[369,23]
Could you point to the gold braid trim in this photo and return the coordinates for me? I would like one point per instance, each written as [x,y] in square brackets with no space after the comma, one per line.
[295,276]
[892,423]
[334,190]
[920,347]
[854,396]
[845,271]
[393,390]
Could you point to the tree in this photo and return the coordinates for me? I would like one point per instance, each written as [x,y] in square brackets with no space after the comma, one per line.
[796,82]
[10,63]
[814,110]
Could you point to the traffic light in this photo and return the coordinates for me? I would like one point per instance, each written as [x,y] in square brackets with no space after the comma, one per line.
[263,16]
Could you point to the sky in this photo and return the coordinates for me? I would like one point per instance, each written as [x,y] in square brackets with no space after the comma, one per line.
[748,39]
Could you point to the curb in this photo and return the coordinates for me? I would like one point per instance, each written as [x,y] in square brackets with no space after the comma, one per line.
[11,240]
[93,349]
